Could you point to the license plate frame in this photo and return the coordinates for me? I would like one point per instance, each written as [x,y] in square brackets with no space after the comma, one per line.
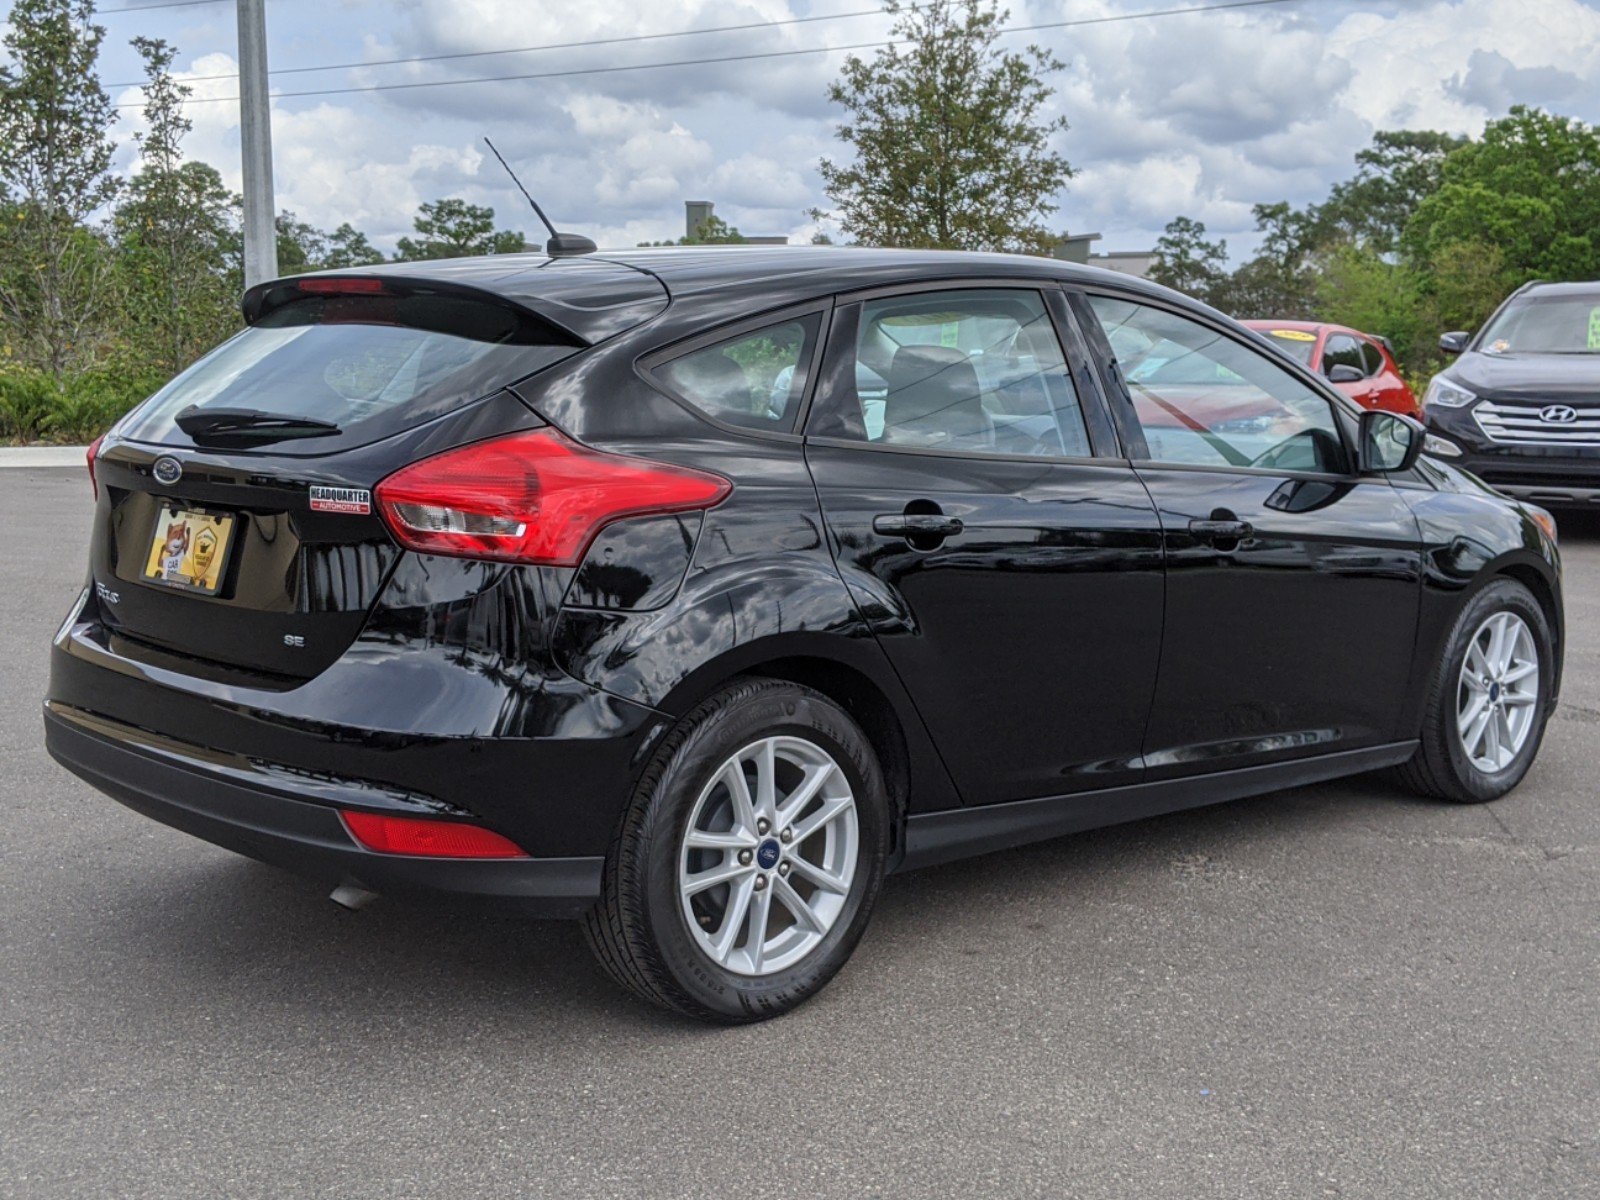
[189,548]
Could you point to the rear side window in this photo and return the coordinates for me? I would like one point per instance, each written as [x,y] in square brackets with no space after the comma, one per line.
[371,364]
[754,379]
[977,371]
[1372,357]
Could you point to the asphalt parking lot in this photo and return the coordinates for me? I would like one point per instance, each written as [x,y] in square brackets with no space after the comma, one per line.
[1335,991]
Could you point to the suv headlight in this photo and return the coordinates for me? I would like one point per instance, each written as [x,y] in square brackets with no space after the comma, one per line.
[1445,394]
[1440,447]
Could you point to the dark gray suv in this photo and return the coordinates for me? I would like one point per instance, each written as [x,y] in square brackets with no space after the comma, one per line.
[1520,407]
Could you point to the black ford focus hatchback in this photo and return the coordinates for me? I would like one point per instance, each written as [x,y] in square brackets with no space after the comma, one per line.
[693,592]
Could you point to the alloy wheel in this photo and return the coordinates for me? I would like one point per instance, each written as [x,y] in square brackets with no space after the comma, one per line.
[769,855]
[1497,698]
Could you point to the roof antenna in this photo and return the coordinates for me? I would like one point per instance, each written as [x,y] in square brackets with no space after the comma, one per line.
[560,245]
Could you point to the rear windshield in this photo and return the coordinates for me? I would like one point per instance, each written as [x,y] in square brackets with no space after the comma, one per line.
[1556,324]
[1296,343]
[372,365]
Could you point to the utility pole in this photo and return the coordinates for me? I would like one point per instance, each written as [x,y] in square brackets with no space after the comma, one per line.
[255,136]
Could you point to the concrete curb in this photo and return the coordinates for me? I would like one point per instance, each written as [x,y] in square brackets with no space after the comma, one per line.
[42,456]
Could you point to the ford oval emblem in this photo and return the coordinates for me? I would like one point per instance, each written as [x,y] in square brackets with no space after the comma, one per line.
[1558,414]
[167,470]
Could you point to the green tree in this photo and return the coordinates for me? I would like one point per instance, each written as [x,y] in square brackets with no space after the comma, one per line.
[1279,281]
[301,247]
[55,152]
[174,232]
[1530,186]
[950,135]
[1401,169]
[713,231]
[1185,261]
[348,247]
[452,228]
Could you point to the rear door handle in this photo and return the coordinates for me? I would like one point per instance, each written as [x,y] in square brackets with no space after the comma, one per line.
[922,525]
[1221,531]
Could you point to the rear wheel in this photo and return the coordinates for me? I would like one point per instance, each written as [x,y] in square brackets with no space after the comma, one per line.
[1488,700]
[747,865]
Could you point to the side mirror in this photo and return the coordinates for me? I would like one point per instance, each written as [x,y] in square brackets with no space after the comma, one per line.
[1345,373]
[1389,442]
[1454,343]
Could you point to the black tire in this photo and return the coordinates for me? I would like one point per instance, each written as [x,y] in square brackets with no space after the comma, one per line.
[1441,767]
[638,930]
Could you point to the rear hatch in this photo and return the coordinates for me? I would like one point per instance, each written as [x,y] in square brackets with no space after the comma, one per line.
[234,520]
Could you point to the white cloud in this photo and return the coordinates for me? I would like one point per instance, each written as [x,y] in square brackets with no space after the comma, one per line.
[1202,115]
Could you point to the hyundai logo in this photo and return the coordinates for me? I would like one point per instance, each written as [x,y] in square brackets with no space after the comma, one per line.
[167,470]
[1558,414]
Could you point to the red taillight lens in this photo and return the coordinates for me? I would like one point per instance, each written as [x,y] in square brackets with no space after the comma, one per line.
[93,453]
[531,498]
[428,839]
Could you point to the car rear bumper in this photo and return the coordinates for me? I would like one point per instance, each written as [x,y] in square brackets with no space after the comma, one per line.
[245,807]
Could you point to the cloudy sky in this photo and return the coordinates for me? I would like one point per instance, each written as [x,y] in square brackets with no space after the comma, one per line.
[1202,114]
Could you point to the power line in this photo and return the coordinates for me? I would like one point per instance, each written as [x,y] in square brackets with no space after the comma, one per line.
[727,58]
[611,41]
[133,8]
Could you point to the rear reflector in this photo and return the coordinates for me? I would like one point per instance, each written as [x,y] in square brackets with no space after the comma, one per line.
[535,497]
[93,453]
[428,839]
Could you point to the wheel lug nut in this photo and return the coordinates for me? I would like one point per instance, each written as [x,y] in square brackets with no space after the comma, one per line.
[786,836]
[761,883]
[745,858]
[783,868]
[763,825]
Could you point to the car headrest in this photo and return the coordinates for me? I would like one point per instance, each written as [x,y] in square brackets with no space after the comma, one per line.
[934,397]
[714,379]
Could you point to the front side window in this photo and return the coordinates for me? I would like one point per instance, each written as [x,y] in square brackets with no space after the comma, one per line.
[978,371]
[755,379]
[1342,351]
[1203,398]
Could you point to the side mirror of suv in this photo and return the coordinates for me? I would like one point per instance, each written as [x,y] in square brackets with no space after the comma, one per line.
[1345,373]
[1389,442]
[1454,343]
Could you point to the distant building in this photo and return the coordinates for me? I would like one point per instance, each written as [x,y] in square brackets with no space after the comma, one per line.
[697,212]
[1128,262]
[1074,247]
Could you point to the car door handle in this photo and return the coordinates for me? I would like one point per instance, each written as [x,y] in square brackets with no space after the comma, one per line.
[1221,531]
[918,525]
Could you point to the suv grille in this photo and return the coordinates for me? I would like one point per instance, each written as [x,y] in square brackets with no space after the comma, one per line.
[1519,421]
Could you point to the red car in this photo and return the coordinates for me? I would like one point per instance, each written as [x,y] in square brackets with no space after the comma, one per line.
[1356,363]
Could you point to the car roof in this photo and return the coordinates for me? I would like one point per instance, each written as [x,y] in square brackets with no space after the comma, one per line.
[596,295]
[1264,323]
[1572,288]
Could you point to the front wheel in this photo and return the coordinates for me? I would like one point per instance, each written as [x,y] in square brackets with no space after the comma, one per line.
[747,865]
[1488,700]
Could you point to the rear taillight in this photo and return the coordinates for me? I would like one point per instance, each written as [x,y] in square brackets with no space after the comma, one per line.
[424,838]
[93,453]
[533,497]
